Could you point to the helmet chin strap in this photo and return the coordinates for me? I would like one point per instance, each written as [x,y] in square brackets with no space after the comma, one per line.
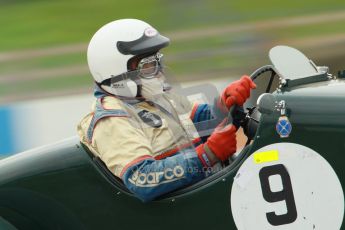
[125,88]
[133,88]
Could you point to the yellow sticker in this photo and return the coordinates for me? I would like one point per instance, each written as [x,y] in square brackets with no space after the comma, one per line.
[268,156]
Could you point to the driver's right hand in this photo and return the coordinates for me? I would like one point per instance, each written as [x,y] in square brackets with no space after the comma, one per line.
[237,92]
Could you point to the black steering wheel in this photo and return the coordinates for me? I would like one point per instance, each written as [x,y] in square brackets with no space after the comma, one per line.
[248,118]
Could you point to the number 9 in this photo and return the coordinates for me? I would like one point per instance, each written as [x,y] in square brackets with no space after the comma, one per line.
[285,194]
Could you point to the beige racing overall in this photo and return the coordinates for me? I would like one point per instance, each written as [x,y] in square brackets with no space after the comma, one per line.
[123,132]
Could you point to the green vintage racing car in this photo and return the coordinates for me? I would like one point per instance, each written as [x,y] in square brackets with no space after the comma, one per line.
[288,176]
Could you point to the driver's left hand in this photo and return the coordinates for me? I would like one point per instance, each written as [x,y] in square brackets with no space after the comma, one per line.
[237,92]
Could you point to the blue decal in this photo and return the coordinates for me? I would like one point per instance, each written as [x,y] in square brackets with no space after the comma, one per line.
[6,132]
[283,127]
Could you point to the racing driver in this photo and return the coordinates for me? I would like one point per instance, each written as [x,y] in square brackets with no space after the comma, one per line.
[143,132]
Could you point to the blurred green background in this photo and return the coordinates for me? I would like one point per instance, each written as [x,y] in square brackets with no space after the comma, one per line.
[43,43]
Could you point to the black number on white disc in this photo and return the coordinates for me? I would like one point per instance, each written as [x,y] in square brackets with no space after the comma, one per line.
[286,194]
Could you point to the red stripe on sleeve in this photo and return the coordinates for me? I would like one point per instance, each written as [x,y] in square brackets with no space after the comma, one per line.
[175,150]
[135,161]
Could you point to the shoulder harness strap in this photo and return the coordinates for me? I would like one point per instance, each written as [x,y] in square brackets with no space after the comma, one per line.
[100,113]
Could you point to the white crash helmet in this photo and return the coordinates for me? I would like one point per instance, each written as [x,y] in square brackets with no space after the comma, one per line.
[113,45]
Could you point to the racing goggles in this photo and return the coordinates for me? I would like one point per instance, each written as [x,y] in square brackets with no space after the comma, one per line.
[147,68]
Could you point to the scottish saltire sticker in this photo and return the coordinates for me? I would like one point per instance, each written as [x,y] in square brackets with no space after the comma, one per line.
[283,127]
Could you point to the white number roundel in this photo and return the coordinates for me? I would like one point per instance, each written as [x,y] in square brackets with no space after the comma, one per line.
[287,186]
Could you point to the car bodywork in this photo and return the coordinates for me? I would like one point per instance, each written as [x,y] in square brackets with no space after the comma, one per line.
[63,186]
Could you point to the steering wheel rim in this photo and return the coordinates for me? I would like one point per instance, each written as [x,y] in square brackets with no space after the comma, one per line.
[247,114]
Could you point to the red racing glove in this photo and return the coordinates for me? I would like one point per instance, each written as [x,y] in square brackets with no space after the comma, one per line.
[237,92]
[220,145]
[222,142]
